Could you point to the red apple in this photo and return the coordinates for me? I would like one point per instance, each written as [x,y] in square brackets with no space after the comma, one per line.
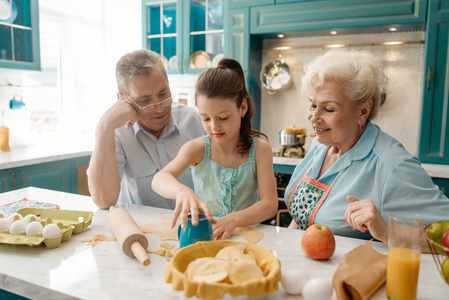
[445,240]
[318,242]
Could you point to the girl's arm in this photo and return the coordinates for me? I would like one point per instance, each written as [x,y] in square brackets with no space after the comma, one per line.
[262,210]
[166,184]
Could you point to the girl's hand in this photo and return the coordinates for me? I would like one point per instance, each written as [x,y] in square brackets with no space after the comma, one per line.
[224,227]
[363,215]
[187,200]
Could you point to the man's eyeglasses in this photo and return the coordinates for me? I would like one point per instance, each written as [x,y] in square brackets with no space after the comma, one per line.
[151,106]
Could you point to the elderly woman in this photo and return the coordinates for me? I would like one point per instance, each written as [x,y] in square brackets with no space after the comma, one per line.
[354,174]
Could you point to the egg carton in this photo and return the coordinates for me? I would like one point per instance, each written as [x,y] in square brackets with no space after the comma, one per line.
[69,221]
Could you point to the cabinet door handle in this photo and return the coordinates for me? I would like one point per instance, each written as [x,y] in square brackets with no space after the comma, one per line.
[13,180]
[23,178]
[428,78]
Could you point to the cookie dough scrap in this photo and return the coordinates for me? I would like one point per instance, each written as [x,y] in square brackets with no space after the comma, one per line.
[98,238]
[160,252]
[161,228]
[167,253]
[250,234]
[166,245]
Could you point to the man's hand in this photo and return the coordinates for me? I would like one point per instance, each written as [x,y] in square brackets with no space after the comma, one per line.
[121,112]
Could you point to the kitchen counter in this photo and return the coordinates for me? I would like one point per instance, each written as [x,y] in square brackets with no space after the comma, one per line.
[75,270]
[434,170]
[47,152]
[84,146]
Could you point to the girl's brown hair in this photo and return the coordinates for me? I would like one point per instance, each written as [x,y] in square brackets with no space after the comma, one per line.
[227,81]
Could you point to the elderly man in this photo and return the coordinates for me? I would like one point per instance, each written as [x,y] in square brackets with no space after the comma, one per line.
[138,135]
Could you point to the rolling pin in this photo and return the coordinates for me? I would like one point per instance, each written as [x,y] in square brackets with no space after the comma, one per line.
[133,242]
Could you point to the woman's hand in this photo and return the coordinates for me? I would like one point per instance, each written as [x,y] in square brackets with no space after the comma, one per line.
[224,226]
[363,215]
[187,200]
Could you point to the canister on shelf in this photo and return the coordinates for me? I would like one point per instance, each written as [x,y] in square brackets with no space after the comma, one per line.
[4,134]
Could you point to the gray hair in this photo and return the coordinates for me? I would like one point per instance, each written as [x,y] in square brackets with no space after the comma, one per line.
[360,74]
[136,63]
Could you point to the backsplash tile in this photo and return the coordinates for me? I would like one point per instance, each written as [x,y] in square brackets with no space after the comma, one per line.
[399,116]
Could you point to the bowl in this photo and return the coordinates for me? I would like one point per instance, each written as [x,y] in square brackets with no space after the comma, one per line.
[252,288]
[438,254]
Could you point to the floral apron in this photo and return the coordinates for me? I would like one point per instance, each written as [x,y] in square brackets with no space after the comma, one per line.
[306,198]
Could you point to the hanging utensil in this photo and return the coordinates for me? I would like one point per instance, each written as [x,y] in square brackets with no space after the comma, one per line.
[275,75]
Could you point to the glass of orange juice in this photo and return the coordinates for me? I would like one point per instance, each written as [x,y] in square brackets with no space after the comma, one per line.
[404,251]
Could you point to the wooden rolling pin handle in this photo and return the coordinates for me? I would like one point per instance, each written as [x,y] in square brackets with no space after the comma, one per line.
[140,253]
[129,236]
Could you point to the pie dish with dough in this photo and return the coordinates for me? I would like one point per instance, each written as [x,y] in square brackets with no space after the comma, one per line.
[268,283]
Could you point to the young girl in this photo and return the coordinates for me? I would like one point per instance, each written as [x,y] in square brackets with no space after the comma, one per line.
[231,166]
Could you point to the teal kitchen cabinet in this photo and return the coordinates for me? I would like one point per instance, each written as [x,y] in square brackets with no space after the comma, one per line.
[65,176]
[52,175]
[443,183]
[19,36]
[188,34]
[7,179]
[319,15]
[434,134]
[289,1]
[243,47]
[248,3]
[237,35]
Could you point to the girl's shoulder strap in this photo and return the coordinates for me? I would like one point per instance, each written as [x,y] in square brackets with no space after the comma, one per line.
[206,146]
[252,150]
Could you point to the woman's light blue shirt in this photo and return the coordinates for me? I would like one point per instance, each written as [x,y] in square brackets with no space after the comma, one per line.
[226,190]
[378,168]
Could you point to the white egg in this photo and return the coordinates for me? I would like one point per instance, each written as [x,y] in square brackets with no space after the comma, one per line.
[317,289]
[4,224]
[293,281]
[33,228]
[51,230]
[12,217]
[30,218]
[17,227]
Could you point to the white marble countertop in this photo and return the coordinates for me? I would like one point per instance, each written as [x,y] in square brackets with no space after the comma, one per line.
[434,170]
[77,271]
[46,152]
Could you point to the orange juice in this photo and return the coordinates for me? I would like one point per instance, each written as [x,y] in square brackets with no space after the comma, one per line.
[402,273]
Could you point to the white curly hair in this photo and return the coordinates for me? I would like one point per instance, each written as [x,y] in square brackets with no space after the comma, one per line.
[360,74]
